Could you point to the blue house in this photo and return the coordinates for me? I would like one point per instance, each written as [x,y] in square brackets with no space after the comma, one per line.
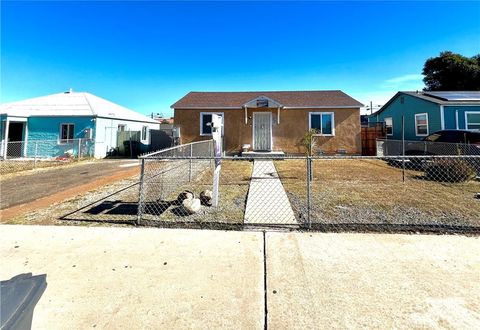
[427,112]
[73,122]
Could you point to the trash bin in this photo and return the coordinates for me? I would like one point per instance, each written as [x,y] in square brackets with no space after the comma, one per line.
[19,296]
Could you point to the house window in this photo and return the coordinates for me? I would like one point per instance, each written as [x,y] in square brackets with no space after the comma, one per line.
[144,133]
[121,127]
[322,122]
[206,122]
[389,125]
[472,121]
[421,124]
[66,132]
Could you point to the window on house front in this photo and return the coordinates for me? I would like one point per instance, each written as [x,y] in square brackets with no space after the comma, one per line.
[389,125]
[322,122]
[206,122]
[66,132]
[121,127]
[472,120]
[144,133]
[421,124]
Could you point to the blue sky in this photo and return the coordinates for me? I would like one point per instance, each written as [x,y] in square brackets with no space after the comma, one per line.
[146,55]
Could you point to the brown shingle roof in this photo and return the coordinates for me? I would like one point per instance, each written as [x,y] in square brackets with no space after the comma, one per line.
[292,99]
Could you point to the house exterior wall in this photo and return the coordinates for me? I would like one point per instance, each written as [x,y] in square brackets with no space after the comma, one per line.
[409,108]
[286,136]
[450,113]
[106,134]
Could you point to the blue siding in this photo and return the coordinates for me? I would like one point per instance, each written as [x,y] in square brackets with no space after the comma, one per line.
[450,115]
[46,131]
[410,106]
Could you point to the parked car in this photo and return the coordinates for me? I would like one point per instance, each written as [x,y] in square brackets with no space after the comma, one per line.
[445,143]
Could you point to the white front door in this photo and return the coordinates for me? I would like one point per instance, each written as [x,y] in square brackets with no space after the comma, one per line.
[262,131]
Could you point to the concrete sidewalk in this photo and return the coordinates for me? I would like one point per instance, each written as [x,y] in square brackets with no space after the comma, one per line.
[131,278]
[267,201]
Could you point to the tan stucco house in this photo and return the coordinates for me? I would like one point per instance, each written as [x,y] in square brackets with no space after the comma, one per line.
[272,121]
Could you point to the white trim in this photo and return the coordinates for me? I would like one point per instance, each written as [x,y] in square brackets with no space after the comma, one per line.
[327,107]
[456,120]
[466,122]
[251,104]
[210,113]
[206,108]
[253,129]
[322,113]
[416,126]
[25,138]
[283,107]
[442,117]
[384,120]
[461,105]
[67,140]
[146,128]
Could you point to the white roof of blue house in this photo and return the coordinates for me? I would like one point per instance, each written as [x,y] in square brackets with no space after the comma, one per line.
[78,104]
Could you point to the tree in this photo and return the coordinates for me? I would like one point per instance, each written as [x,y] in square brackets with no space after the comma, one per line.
[452,72]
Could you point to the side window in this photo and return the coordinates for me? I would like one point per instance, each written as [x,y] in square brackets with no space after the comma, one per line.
[66,132]
[472,121]
[322,122]
[421,124]
[389,125]
[144,133]
[121,127]
[206,122]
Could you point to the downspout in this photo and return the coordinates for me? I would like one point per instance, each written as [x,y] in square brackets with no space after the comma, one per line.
[456,119]
[442,117]
[278,116]
[246,115]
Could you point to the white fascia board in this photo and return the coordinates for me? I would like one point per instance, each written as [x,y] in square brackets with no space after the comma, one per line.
[326,107]
[206,108]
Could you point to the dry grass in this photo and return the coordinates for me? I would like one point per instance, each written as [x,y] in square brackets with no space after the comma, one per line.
[233,189]
[372,191]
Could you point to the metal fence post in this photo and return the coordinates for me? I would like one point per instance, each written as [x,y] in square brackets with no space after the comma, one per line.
[309,178]
[403,149]
[190,165]
[35,155]
[141,193]
[79,153]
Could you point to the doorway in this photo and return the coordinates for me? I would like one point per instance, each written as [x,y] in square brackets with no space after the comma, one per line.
[262,131]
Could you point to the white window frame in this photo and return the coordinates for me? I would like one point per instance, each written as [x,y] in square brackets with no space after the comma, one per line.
[67,140]
[385,121]
[416,125]
[146,133]
[322,113]
[210,113]
[466,120]
[121,127]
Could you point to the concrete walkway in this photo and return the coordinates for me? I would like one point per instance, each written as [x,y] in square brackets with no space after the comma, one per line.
[149,278]
[267,202]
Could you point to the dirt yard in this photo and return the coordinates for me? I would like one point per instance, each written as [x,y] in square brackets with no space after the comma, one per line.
[352,191]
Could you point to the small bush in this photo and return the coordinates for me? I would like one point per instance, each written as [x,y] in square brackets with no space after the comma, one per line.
[450,170]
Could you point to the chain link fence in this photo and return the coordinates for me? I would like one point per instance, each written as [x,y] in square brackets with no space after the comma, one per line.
[425,148]
[31,154]
[327,193]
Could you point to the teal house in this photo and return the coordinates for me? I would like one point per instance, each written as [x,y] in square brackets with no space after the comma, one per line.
[68,123]
[427,112]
